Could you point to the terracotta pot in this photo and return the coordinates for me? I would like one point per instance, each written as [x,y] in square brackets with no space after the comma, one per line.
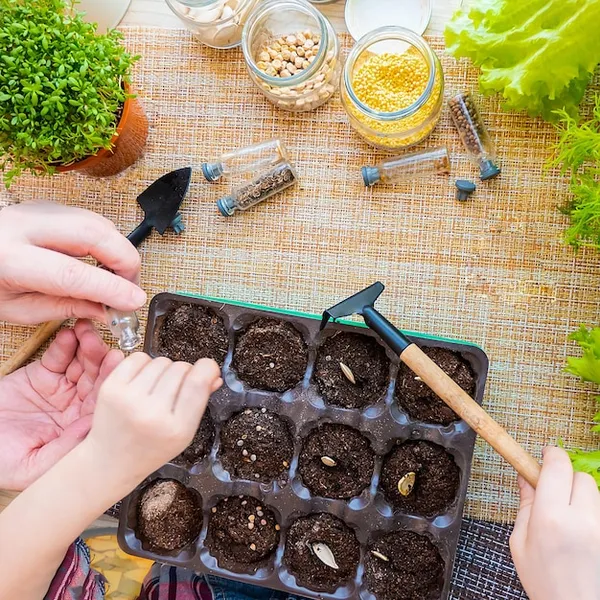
[128,145]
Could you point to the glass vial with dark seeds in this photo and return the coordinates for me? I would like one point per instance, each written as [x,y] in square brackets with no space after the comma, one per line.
[417,165]
[267,184]
[250,159]
[474,134]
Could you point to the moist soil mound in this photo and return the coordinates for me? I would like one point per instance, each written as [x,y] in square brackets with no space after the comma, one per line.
[368,363]
[270,355]
[414,569]
[191,332]
[169,516]
[243,534]
[336,461]
[256,444]
[437,478]
[422,404]
[301,559]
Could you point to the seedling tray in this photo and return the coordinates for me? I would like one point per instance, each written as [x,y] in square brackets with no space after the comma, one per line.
[383,423]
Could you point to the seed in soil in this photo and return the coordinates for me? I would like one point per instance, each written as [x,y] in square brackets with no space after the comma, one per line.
[411,567]
[201,445]
[419,401]
[407,483]
[265,445]
[230,537]
[169,516]
[191,332]
[348,373]
[266,341]
[437,478]
[350,451]
[303,563]
[325,555]
[364,358]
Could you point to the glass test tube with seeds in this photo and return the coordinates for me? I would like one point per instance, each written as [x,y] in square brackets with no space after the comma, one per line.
[474,134]
[409,167]
[264,186]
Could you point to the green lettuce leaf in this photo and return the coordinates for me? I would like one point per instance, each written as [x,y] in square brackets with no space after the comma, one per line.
[587,462]
[538,54]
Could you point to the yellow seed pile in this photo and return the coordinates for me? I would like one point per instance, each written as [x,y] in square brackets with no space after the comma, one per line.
[390,82]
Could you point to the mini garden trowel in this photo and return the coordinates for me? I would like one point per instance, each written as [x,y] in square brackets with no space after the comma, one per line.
[160,203]
[445,387]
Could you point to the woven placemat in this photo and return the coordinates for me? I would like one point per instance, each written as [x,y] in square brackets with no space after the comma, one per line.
[491,271]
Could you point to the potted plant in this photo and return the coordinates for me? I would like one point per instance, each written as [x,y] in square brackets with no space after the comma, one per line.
[65,101]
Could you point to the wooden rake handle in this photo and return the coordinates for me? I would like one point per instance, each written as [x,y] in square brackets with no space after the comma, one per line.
[464,406]
[41,335]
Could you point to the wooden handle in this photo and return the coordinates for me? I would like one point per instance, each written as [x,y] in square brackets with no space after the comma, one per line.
[30,347]
[464,406]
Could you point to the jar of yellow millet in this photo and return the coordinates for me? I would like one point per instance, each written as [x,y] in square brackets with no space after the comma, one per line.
[392,88]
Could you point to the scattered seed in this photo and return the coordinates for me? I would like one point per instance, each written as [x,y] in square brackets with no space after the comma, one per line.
[258,508]
[272,365]
[324,554]
[257,475]
[245,436]
[253,457]
[379,556]
[328,462]
[260,513]
[286,463]
[244,452]
[348,373]
[277,527]
[214,509]
[263,410]
[407,483]
[418,379]
[241,496]
[247,412]
[252,546]
[258,428]
[244,502]
[240,442]
[263,522]
[328,358]
[250,526]
[251,518]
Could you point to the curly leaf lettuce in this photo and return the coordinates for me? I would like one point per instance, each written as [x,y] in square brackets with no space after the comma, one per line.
[539,54]
[588,368]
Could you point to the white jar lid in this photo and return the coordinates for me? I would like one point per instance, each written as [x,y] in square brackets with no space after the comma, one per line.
[364,16]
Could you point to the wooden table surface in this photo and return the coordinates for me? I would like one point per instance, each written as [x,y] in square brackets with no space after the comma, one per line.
[157,13]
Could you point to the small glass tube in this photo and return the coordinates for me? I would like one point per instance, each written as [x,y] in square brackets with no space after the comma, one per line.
[251,159]
[474,134]
[427,163]
[125,326]
[271,182]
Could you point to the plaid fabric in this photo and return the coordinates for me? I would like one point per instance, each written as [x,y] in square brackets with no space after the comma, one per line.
[74,579]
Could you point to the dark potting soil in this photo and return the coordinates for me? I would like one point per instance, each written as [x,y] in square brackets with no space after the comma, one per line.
[414,569]
[270,355]
[417,399]
[243,534]
[256,444]
[201,445]
[169,516]
[350,451]
[301,559]
[437,478]
[191,332]
[367,362]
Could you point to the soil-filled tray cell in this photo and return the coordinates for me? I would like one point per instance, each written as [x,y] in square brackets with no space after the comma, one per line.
[311,445]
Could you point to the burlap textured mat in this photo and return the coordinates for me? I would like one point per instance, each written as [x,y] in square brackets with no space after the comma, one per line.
[492,270]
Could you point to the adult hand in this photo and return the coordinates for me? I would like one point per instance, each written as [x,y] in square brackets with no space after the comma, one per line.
[148,411]
[40,276]
[46,407]
[556,540]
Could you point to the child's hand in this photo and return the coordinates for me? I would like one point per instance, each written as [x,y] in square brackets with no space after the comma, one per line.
[148,411]
[46,407]
[556,541]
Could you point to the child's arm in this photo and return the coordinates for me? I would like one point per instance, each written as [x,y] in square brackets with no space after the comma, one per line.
[556,540]
[147,412]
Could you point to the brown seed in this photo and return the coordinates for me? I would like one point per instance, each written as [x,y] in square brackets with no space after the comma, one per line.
[379,556]
[328,462]
[348,373]
[407,483]
[277,527]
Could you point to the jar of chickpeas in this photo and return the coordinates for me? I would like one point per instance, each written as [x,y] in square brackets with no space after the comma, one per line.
[292,54]
[392,88]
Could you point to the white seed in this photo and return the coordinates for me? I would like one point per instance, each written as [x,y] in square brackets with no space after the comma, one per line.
[328,462]
[252,547]
[407,483]
[418,379]
[285,73]
[300,51]
[264,56]
[379,556]
[308,44]
[291,39]
[348,373]
[253,457]
[292,68]
[272,53]
[325,555]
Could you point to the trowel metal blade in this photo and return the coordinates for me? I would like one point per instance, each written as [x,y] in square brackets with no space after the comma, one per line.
[353,305]
[162,200]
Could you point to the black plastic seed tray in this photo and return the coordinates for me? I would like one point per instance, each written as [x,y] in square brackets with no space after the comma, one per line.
[382,423]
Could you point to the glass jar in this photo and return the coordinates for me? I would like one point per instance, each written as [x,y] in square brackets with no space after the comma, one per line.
[216,23]
[392,88]
[292,54]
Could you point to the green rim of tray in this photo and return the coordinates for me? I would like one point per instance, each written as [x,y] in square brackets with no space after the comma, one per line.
[296,313]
